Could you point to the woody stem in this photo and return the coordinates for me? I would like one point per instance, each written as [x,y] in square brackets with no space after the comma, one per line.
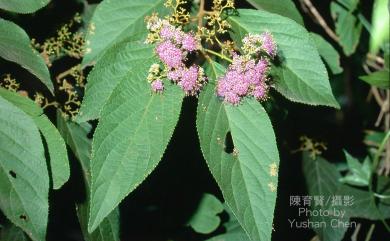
[201,13]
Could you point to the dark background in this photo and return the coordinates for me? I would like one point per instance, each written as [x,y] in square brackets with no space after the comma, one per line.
[160,207]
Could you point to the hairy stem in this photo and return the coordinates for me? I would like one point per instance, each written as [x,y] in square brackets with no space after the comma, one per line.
[219,55]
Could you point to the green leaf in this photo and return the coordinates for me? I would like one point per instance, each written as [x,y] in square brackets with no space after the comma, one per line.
[285,8]
[108,229]
[115,21]
[205,219]
[25,6]
[349,4]
[248,177]
[24,180]
[76,137]
[234,231]
[364,205]
[89,10]
[383,188]
[237,234]
[15,46]
[328,53]
[59,163]
[301,76]
[387,61]
[133,132]
[322,180]
[11,233]
[379,79]
[373,138]
[118,64]
[348,26]
[380,25]
[359,173]
[27,105]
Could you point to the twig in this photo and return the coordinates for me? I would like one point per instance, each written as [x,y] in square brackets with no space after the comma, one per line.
[67,72]
[384,114]
[219,55]
[377,96]
[373,169]
[315,238]
[374,65]
[354,236]
[384,107]
[383,104]
[201,13]
[370,232]
[376,58]
[321,21]
[382,146]
[385,165]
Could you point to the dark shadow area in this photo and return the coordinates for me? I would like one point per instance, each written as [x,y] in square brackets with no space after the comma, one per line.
[161,206]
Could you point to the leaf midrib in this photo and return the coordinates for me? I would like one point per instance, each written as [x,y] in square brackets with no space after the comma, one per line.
[146,110]
[244,182]
[120,80]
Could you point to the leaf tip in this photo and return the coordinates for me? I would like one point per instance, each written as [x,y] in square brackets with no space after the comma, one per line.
[93,223]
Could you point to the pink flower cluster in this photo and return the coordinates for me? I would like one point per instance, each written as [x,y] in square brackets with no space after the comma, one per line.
[244,77]
[247,74]
[189,79]
[256,43]
[172,48]
[268,44]
[157,85]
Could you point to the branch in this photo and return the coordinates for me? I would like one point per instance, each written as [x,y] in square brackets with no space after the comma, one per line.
[320,20]
[356,232]
[201,13]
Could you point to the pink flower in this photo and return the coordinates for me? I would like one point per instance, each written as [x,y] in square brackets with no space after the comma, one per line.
[260,92]
[178,36]
[255,74]
[170,54]
[157,86]
[244,77]
[223,87]
[238,62]
[175,74]
[192,80]
[167,32]
[232,86]
[232,98]
[262,66]
[268,44]
[188,79]
[189,42]
[172,46]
